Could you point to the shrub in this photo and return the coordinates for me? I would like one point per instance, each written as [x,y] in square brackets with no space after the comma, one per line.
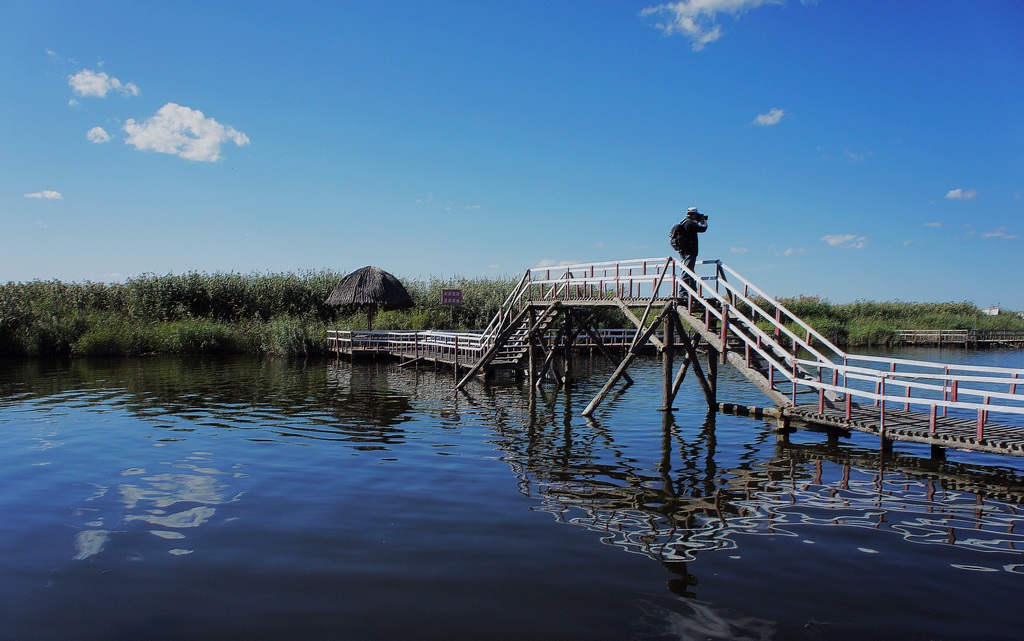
[195,336]
[288,336]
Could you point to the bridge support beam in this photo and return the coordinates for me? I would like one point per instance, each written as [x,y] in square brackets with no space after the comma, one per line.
[710,393]
[667,356]
[643,335]
[671,323]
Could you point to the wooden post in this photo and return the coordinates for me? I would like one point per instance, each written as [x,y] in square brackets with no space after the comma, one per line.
[713,378]
[456,368]
[782,429]
[568,337]
[532,360]
[667,355]
[631,354]
[725,331]
[710,392]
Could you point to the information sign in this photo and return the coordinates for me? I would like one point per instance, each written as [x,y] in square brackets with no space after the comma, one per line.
[451,296]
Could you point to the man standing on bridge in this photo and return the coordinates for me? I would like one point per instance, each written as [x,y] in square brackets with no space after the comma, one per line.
[684,239]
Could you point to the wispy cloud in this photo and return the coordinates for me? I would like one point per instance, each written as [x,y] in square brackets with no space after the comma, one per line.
[999,233]
[182,131]
[98,84]
[793,251]
[549,262]
[961,194]
[696,19]
[738,250]
[770,118]
[854,156]
[845,241]
[932,224]
[98,135]
[46,194]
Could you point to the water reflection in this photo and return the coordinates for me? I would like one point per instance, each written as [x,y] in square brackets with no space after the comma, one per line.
[591,475]
[693,620]
[670,487]
[278,399]
[172,502]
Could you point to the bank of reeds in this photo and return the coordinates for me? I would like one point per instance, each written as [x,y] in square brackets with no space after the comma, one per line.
[196,313]
[284,314]
[870,323]
[178,314]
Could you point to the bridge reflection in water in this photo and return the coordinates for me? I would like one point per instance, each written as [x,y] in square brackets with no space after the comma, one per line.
[688,504]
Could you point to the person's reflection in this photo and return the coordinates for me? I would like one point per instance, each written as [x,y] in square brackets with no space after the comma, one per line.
[683,581]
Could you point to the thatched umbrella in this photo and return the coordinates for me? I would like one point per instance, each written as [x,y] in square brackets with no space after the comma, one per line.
[370,288]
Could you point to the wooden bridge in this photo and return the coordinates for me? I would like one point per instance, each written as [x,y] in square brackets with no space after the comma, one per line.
[962,337]
[716,312]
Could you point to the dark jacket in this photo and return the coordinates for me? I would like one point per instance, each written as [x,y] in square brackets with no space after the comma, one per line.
[684,235]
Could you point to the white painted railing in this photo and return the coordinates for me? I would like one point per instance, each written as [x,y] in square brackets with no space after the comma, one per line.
[468,344]
[798,358]
[884,382]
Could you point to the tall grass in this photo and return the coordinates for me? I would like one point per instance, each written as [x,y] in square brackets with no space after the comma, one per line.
[188,313]
[280,314]
[870,323]
[284,314]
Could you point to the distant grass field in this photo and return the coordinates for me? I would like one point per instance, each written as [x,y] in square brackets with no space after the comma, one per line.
[278,314]
[285,315]
[869,323]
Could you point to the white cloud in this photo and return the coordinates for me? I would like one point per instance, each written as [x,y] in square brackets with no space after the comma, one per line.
[696,18]
[999,233]
[98,84]
[98,135]
[182,131]
[548,262]
[768,119]
[845,241]
[961,194]
[933,224]
[792,251]
[46,194]
[854,156]
[738,250]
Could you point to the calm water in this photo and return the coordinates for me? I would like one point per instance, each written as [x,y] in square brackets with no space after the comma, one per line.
[181,498]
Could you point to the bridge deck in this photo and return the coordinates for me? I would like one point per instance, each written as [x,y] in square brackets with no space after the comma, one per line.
[735,322]
[915,427]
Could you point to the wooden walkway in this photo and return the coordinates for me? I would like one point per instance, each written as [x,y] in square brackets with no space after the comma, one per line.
[714,312]
[967,338]
[916,427]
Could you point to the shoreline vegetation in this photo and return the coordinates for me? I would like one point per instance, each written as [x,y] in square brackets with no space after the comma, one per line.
[284,314]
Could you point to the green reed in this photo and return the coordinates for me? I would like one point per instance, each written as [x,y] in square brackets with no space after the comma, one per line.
[871,323]
[284,314]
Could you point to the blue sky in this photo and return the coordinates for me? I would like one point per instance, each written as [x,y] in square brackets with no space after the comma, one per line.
[851,150]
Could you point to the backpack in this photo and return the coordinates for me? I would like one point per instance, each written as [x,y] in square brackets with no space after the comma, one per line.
[675,237]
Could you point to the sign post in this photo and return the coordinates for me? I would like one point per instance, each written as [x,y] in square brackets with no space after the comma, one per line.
[451,297]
